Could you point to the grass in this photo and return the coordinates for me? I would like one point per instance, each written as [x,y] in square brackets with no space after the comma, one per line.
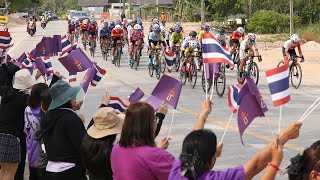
[274,37]
[310,33]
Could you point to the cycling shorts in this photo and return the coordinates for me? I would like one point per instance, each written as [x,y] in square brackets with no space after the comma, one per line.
[115,40]
[234,41]
[104,38]
[292,52]
[83,31]
[243,56]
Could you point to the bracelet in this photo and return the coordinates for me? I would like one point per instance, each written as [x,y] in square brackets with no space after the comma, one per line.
[274,166]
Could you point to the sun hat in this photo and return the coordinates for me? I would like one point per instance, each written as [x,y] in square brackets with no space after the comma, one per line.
[61,93]
[106,122]
[23,80]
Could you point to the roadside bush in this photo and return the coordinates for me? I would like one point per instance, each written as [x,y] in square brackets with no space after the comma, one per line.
[310,33]
[266,21]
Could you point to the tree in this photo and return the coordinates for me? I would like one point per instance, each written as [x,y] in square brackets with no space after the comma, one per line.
[224,8]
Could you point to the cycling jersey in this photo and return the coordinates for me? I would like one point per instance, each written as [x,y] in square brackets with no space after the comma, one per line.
[288,45]
[154,37]
[71,27]
[93,30]
[222,39]
[245,46]
[201,33]
[117,34]
[186,41]
[84,27]
[136,36]
[235,35]
[176,38]
[103,32]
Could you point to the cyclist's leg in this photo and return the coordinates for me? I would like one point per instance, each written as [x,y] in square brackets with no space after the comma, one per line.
[114,42]
[242,60]
[130,57]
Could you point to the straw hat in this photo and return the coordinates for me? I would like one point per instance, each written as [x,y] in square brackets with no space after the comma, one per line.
[23,80]
[106,122]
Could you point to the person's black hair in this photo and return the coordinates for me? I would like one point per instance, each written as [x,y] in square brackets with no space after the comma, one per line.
[35,97]
[95,155]
[66,105]
[7,72]
[302,165]
[197,151]
[46,99]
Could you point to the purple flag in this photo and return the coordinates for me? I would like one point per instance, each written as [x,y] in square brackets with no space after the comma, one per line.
[154,102]
[41,66]
[76,61]
[88,77]
[57,46]
[135,96]
[168,90]
[251,106]
[45,47]
[21,57]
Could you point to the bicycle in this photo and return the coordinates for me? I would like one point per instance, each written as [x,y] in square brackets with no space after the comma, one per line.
[155,64]
[84,41]
[235,56]
[117,54]
[92,45]
[136,53]
[190,70]
[104,50]
[176,48]
[219,79]
[163,63]
[250,69]
[77,34]
[295,70]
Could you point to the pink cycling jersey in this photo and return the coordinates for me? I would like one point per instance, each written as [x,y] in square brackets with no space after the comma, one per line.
[136,35]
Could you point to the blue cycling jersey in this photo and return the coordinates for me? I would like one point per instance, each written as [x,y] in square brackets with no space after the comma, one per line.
[103,32]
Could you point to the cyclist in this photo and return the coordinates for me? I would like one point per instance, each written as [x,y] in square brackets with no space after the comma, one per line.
[105,22]
[93,32]
[247,47]
[234,39]
[206,30]
[31,23]
[155,38]
[92,20]
[117,37]
[165,34]
[288,48]
[192,36]
[84,29]
[176,37]
[136,38]
[155,23]
[189,49]
[104,35]
[71,30]
[111,26]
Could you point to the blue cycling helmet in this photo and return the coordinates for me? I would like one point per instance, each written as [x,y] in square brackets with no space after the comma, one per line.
[157,29]
[177,29]
[92,23]
[207,28]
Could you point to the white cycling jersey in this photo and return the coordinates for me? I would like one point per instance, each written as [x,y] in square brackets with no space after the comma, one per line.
[245,44]
[290,45]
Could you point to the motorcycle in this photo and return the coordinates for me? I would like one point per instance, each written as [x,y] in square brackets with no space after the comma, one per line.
[31,29]
[43,23]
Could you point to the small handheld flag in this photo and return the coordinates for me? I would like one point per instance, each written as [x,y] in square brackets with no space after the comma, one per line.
[135,96]
[117,104]
[170,57]
[233,97]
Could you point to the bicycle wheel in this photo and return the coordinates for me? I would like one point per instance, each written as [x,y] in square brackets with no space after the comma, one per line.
[254,72]
[158,67]
[163,65]
[295,75]
[115,56]
[203,83]
[193,75]
[137,61]
[220,82]
[183,77]
[84,43]
[119,56]
[151,68]
[177,63]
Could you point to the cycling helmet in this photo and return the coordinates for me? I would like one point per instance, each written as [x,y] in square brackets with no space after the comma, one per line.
[135,21]
[132,24]
[240,30]
[221,38]
[155,26]
[137,27]
[157,29]
[104,26]
[221,31]
[163,29]
[193,34]
[252,37]
[72,21]
[207,28]
[294,38]
[178,23]
[85,21]
[203,27]
[92,23]
[193,44]
[177,29]
[119,22]
[118,27]
[112,23]
[105,21]
[155,20]
[140,23]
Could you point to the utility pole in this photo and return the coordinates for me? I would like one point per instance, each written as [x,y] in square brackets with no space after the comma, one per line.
[157,5]
[250,8]
[202,11]
[124,7]
[291,17]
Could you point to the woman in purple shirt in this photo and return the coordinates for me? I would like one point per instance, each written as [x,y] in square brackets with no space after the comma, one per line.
[137,156]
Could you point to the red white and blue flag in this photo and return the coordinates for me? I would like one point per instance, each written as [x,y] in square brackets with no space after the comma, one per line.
[213,52]
[66,45]
[234,98]
[5,40]
[117,104]
[170,57]
[72,77]
[278,81]
[98,76]
[28,61]
[48,64]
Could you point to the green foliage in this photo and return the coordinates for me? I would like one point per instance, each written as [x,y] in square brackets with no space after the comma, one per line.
[18,5]
[266,21]
[310,33]
[224,8]
[308,10]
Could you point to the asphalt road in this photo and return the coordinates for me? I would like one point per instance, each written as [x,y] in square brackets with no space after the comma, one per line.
[122,81]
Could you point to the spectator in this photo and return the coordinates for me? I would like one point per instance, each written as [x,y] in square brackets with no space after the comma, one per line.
[7,71]
[97,143]
[307,165]
[32,119]
[12,139]
[200,150]
[137,156]
[273,166]
[62,131]
[122,16]
[163,19]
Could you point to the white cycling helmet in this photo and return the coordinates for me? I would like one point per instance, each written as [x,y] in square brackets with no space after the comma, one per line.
[163,29]
[240,30]
[252,37]
[85,21]
[192,44]
[105,20]
[137,27]
[118,27]
[294,38]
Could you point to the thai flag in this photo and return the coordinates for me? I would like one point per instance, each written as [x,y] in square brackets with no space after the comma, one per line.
[72,77]
[234,98]
[213,52]
[66,45]
[48,64]
[170,57]
[278,81]
[5,40]
[28,61]
[74,47]
[98,76]
[117,105]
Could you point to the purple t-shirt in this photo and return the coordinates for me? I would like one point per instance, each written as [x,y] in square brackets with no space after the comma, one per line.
[138,163]
[236,173]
